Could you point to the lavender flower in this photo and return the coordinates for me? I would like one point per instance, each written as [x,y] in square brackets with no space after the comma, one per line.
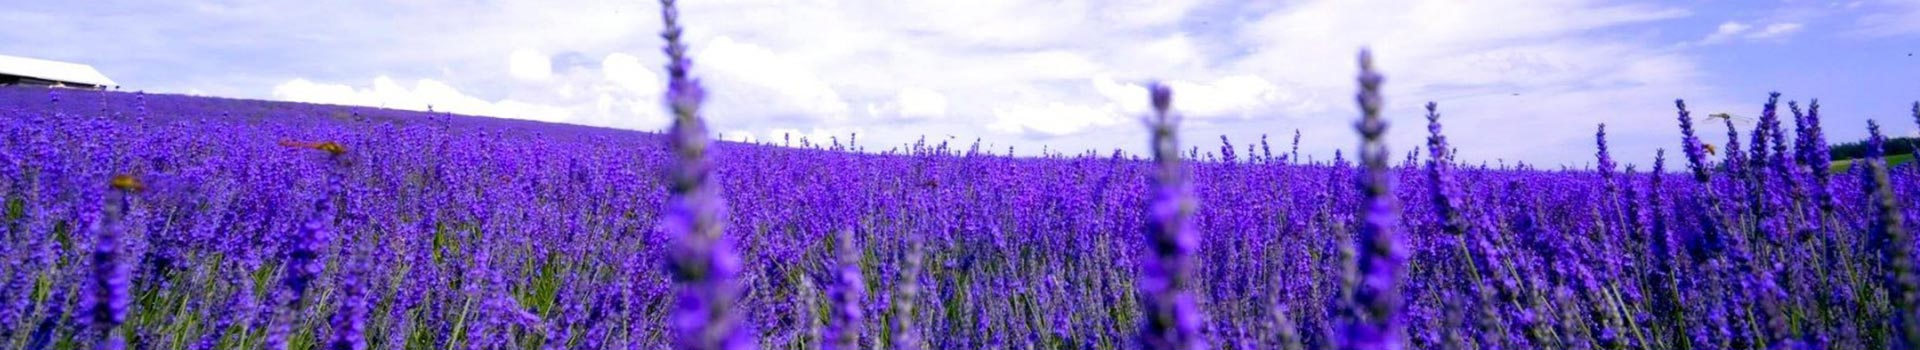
[1226,150]
[1172,314]
[1736,161]
[42,335]
[1439,182]
[905,336]
[848,290]
[1903,282]
[107,299]
[1294,154]
[1605,164]
[350,317]
[1266,154]
[1763,129]
[304,263]
[1690,144]
[1380,255]
[703,262]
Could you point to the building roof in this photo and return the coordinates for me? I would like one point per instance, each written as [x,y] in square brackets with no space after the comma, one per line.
[53,70]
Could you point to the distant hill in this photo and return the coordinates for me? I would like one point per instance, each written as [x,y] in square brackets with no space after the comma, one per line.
[1899,151]
[1857,149]
[1895,160]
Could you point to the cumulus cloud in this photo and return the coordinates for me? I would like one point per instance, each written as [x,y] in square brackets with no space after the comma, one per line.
[1776,30]
[1054,118]
[628,73]
[1735,30]
[1888,18]
[621,93]
[912,103]
[1061,73]
[1726,31]
[1493,65]
[749,75]
[526,64]
[1238,96]
[426,94]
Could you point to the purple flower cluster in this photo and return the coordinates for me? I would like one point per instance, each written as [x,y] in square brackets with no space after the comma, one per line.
[107,298]
[1380,256]
[703,260]
[1170,308]
[848,291]
[234,224]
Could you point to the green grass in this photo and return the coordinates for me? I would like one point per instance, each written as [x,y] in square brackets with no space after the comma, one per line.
[1896,160]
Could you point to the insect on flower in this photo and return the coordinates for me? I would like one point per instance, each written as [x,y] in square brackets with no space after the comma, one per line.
[1729,117]
[332,148]
[127,183]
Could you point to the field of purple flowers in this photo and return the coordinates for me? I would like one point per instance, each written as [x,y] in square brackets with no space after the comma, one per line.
[171,222]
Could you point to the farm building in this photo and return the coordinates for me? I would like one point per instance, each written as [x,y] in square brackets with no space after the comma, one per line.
[16,70]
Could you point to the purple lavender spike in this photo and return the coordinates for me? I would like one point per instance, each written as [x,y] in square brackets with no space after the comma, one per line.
[1226,150]
[1802,139]
[703,260]
[1295,152]
[350,317]
[1266,154]
[107,299]
[1736,161]
[1691,146]
[849,289]
[906,337]
[1762,131]
[304,265]
[1380,255]
[1172,316]
[1889,230]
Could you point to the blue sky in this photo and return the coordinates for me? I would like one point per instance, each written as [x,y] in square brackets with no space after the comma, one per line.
[1516,79]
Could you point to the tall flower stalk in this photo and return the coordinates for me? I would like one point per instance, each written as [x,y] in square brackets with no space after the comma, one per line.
[1903,283]
[905,336]
[1380,256]
[703,261]
[304,260]
[106,301]
[843,333]
[1172,314]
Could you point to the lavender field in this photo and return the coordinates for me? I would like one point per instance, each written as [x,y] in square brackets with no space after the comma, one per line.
[159,221]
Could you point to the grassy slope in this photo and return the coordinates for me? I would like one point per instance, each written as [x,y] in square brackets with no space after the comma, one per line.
[1841,165]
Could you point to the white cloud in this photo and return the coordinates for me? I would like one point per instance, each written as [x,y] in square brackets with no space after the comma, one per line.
[1147,12]
[424,95]
[626,71]
[1063,73]
[913,103]
[1238,96]
[1776,30]
[530,65]
[1495,66]
[1052,118]
[1736,30]
[1726,31]
[748,75]
[1889,18]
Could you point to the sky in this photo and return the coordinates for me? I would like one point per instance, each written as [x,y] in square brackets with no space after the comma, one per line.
[1516,80]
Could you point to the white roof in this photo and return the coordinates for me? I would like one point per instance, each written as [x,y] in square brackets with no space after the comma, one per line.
[53,70]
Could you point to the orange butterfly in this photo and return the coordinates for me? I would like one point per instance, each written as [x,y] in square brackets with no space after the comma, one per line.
[127,183]
[329,146]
